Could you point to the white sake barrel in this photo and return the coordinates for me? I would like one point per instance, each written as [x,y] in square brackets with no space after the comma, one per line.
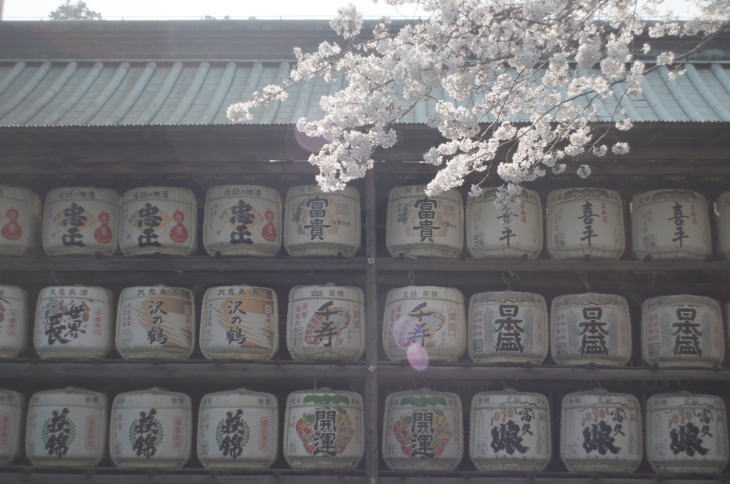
[686,434]
[242,220]
[504,233]
[510,431]
[239,323]
[158,220]
[508,327]
[590,328]
[20,220]
[421,226]
[66,428]
[238,429]
[670,224]
[11,425]
[73,322]
[321,223]
[722,215]
[423,430]
[324,429]
[682,331]
[80,221]
[325,323]
[585,222]
[151,428]
[427,317]
[155,322]
[14,321]
[601,432]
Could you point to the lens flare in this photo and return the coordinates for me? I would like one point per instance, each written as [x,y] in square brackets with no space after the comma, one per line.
[417,357]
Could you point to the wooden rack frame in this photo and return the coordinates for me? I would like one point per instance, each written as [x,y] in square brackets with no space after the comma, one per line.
[371,269]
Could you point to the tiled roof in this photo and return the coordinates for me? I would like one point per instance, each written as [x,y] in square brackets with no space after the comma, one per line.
[174,93]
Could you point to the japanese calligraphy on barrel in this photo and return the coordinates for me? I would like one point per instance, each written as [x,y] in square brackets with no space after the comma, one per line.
[424,319]
[73,322]
[11,425]
[682,330]
[421,226]
[326,323]
[323,429]
[670,224]
[508,327]
[510,232]
[585,222]
[158,220]
[590,328]
[686,434]
[20,220]
[510,431]
[151,428]
[601,432]
[155,322]
[14,321]
[238,429]
[318,223]
[66,428]
[423,430]
[80,221]
[242,220]
[722,215]
[240,323]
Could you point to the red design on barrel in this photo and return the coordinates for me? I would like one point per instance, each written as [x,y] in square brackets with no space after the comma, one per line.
[12,230]
[269,230]
[103,234]
[179,233]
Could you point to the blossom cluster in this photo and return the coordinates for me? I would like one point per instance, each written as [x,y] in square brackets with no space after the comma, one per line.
[516,87]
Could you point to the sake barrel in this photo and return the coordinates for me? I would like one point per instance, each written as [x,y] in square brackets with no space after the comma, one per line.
[670,224]
[600,432]
[508,327]
[239,323]
[424,322]
[686,434]
[326,323]
[590,328]
[151,428]
[585,222]
[423,431]
[20,220]
[80,221]
[238,429]
[14,321]
[155,322]
[242,220]
[510,431]
[66,428]
[511,232]
[722,215]
[73,322]
[321,223]
[11,425]
[682,330]
[422,226]
[324,429]
[158,220]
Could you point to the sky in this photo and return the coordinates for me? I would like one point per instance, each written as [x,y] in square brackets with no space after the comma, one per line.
[195,9]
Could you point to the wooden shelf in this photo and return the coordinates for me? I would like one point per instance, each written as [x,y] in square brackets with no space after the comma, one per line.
[470,372]
[386,265]
[390,477]
[156,372]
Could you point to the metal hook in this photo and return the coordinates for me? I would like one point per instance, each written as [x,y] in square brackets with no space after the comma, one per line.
[506,282]
[584,280]
[411,278]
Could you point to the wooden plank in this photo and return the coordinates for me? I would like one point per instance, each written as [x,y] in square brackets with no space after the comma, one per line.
[469,372]
[155,372]
[372,316]
[565,478]
[386,265]
[180,264]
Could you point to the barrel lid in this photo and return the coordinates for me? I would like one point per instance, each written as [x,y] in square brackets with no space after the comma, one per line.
[250,397]
[151,396]
[69,396]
